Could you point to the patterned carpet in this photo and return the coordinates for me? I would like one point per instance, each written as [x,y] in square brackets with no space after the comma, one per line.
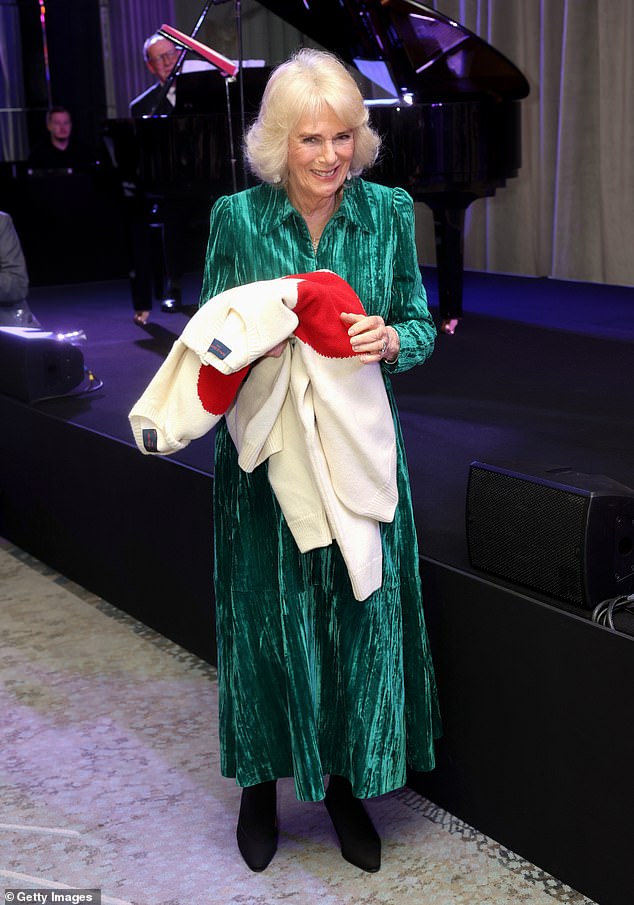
[110,777]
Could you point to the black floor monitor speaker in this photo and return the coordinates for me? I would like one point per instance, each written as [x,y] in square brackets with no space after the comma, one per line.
[565,534]
[35,366]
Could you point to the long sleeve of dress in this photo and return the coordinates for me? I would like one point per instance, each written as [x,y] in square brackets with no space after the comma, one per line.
[409,314]
[220,270]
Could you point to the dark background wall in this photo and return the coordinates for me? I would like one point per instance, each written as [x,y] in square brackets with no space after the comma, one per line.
[75,65]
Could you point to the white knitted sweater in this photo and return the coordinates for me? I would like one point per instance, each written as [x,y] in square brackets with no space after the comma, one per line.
[317,414]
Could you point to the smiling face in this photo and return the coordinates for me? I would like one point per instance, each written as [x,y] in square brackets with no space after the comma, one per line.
[320,152]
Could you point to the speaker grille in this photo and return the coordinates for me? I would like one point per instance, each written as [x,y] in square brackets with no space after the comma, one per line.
[527,532]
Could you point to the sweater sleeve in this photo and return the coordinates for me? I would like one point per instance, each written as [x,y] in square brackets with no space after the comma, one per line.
[173,409]
[409,314]
[14,280]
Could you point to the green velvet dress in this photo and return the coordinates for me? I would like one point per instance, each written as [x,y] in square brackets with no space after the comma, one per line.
[311,680]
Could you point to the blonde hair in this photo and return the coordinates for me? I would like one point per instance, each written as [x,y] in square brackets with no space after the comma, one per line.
[301,87]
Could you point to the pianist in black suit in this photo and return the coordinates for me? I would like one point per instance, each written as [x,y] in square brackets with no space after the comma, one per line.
[160,57]
[150,266]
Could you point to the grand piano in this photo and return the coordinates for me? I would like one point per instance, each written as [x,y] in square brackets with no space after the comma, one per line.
[445,102]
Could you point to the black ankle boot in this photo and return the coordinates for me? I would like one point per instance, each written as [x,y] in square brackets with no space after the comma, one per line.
[257,825]
[360,842]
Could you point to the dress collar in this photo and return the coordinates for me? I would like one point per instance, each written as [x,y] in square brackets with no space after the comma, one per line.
[354,207]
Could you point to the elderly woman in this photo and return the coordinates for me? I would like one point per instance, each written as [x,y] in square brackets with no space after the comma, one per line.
[313,682]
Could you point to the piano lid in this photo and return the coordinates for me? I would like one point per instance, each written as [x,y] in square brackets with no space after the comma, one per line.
[421,52]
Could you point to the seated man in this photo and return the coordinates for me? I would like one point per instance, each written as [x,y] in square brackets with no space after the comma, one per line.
[160,57]
[14,279]
[60,150]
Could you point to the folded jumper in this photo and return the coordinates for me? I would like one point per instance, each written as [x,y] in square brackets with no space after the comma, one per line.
[316,414]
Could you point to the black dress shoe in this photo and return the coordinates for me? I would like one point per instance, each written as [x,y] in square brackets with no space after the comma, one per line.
[257,825]
[360,842]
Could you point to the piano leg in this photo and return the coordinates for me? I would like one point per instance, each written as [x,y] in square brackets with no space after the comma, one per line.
[449,233]
[154,269]
[140,255]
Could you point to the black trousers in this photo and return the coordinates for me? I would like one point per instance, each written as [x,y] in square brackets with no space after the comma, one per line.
[154,227]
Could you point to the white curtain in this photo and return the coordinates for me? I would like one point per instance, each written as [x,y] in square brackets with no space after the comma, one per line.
[570,212]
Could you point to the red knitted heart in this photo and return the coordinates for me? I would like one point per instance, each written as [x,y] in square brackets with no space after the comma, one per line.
[217,391]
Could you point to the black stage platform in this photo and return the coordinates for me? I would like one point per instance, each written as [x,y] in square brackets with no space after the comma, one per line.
[537,699]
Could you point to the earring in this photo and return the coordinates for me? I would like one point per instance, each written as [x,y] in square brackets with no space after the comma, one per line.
[348,176]
[277,179]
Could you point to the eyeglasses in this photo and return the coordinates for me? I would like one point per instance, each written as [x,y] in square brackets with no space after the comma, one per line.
[166,57]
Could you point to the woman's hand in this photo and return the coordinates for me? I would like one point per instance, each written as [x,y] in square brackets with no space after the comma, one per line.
[370,338]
